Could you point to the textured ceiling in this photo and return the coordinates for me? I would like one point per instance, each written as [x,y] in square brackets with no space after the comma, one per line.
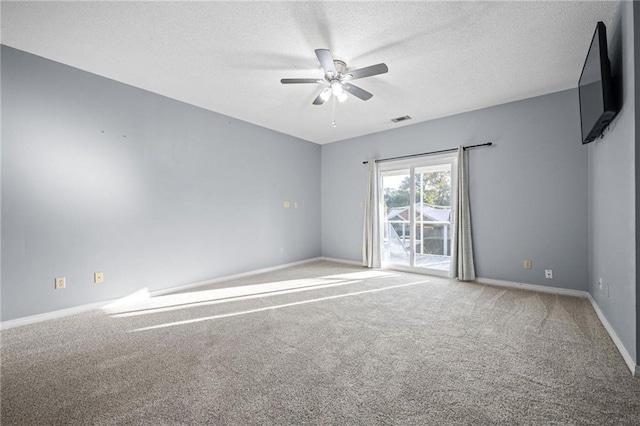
[444,57]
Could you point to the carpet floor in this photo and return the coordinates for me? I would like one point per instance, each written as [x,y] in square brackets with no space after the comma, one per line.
[321,343]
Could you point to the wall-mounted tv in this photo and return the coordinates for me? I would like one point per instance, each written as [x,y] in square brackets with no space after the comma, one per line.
[595,87]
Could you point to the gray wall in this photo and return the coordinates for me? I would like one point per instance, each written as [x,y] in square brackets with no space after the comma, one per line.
[528,193]
[612,243]
[100,176]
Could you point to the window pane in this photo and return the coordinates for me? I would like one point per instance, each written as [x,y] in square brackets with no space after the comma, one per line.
[433,216]
[396,225]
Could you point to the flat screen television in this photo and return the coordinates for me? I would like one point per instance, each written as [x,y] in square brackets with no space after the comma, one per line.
[595,87]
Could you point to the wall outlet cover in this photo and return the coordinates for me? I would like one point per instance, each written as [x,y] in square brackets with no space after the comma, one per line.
[98,277]
[60,283]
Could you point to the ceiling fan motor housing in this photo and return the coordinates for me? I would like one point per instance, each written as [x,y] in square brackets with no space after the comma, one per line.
[341,69]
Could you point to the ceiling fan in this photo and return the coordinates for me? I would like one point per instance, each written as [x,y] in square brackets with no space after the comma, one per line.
[339,78]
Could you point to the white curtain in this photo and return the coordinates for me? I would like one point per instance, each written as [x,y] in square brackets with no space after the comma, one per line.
[462,247]
[371,234]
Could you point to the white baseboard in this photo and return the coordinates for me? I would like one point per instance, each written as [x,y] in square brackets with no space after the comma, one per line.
[32,319]
[533,287]
[50,315]
[488,281]
[347,262]
[635,369]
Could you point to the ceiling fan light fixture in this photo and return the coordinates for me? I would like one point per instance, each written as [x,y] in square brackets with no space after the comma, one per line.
[336,88]
[325,94]
[342,97]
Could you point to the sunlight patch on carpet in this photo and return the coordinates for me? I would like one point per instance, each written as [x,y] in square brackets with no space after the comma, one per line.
[269,308]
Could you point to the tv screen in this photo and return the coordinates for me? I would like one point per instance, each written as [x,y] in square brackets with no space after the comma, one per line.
[597,104]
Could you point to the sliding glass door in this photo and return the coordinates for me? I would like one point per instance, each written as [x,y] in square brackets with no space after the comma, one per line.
[417,214]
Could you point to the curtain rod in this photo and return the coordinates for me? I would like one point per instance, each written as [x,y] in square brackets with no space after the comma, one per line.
[430,153]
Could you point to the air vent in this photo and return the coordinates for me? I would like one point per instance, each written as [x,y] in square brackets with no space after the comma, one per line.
[399,119]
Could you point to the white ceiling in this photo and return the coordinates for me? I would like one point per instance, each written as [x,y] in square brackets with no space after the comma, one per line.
[443,57]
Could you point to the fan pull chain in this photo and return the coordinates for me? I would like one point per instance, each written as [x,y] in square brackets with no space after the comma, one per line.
[333,111]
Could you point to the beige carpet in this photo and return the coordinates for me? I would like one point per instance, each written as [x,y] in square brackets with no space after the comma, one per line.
[322,344]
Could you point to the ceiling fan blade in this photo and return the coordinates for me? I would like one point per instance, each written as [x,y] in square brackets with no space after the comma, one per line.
[326,60]
[368,71]
[300,80]
[357,92]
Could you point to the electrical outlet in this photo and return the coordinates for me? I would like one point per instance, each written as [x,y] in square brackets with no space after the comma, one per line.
[548,274]
[98,277]
[295,204]
[527,264]
[361,205]
[60,283]
[286,204]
